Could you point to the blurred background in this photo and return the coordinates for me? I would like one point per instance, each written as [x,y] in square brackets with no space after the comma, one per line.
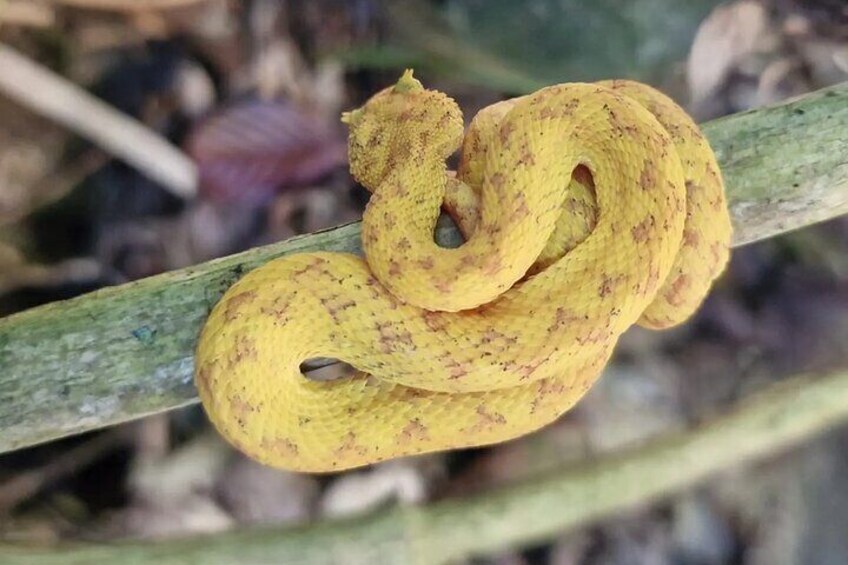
[251,93]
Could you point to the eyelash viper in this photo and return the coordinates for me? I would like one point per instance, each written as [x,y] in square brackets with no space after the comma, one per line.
[586,208]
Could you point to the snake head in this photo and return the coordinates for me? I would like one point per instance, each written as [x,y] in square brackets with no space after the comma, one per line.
[403,122]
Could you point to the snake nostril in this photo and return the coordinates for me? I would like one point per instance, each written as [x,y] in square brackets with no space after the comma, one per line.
[323,369]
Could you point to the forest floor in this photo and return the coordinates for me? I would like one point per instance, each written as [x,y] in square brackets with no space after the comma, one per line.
[212,75]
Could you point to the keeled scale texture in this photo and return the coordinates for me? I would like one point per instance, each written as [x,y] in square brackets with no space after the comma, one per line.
[587,208]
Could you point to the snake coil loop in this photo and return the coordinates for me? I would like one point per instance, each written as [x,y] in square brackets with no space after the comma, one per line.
[586,208]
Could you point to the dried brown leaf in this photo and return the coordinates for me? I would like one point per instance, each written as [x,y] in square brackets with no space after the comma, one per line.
[248,152]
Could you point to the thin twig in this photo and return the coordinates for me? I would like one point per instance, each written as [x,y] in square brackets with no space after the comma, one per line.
[127,5]
[24,485]
[26,13]
[50,95]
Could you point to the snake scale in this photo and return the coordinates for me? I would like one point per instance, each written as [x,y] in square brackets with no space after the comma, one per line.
[586,208]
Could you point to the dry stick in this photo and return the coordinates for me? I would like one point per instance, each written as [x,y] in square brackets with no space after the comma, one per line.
[50,95]
[26,13]
[127,5]
[127,351]
[784,415]
[23,486]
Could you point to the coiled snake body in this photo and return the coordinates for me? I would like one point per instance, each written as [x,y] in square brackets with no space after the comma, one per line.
[586,208]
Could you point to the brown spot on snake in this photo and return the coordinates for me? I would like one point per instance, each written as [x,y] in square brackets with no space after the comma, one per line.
[236,302]
[283,447]
[680,284]
[414,431]
[648,179]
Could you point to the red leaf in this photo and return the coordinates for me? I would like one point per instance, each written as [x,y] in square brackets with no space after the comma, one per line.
[250,151]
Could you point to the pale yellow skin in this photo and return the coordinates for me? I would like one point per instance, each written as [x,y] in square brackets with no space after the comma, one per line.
[587,208]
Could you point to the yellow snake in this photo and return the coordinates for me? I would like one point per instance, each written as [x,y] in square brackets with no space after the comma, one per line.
[586,208]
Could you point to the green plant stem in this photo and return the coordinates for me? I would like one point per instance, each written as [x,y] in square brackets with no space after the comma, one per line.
[125,352]
[784,415]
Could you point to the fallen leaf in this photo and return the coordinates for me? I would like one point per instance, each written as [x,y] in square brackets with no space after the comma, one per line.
[405,481]
[256,494]
[250,151]
[730,34]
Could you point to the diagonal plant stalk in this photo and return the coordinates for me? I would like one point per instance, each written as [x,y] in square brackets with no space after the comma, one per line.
[124,352]
[784,415]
